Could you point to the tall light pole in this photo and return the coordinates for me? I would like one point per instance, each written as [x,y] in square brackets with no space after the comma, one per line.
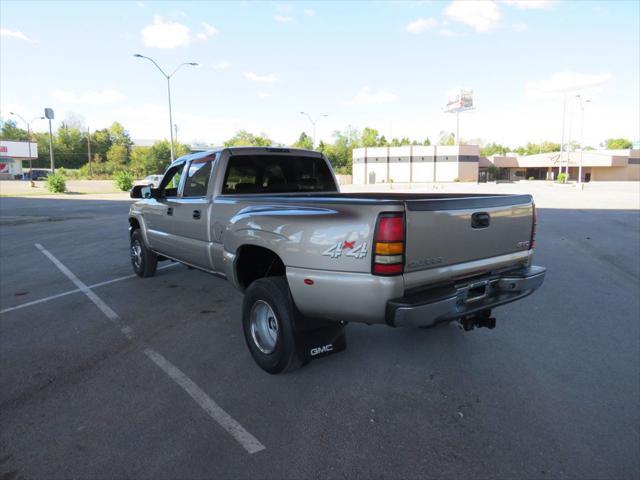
[564,113]
[168,77]
[313,122]
[579,97]
[28,124]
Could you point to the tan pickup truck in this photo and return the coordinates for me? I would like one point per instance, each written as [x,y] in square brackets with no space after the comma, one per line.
[309,259]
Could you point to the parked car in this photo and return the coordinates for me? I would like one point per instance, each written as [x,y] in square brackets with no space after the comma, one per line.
[39,174]
[151,180]
[310,259]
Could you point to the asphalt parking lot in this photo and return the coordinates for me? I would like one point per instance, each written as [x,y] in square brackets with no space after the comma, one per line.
[151,378]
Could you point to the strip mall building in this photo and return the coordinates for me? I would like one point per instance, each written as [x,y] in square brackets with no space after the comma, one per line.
[463,163]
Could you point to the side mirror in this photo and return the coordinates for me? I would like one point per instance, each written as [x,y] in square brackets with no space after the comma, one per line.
[143,191]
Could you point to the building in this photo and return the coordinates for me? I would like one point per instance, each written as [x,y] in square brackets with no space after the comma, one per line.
[463,163]
[415,163]
[12,154]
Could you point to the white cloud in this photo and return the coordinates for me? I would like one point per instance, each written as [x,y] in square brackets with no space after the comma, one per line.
[222,65]
[161,34]
[445,32]
[209,30]
[254,77]
[102,97]
[283,18]
[367,96]
[482,15]
[264,96]
[567,82]
[520,26]
[531,4]
[421,24]
[7,32]
[309,12]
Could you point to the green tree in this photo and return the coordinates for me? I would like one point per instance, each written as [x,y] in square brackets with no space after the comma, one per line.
[10,131]
[243,138]
[493,149]
[304,141]
[618,144]
[447,138]
[117,158]
[426,142]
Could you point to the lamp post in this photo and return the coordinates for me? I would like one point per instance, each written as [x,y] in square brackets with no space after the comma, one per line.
[168,77]
[564,113]
[313,122]
[579,97]
[28,124]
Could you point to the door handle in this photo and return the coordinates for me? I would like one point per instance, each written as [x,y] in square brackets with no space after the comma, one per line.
[169,210]
[480,220]
[196,214]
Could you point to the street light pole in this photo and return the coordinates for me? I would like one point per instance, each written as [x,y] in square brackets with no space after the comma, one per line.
[579,97]
[313,122]
[564,113]
[168,77]
[28,124]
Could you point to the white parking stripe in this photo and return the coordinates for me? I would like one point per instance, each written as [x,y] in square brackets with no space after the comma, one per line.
[237,431]
[76,290]
[226,421]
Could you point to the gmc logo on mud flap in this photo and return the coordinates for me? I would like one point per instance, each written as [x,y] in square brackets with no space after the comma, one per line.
[319,350]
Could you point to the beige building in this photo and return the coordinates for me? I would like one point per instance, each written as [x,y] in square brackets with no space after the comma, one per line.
[463,163]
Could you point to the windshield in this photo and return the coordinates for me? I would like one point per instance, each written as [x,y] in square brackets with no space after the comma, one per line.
[277,174]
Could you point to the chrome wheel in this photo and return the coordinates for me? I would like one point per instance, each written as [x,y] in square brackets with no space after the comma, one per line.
[136,254]
[264,327]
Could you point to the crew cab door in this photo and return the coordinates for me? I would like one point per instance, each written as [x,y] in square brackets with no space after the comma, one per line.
[191,229]
[158,212]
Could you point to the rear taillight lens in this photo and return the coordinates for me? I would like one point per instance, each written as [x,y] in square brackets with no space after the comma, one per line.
[389,245]
[534,225]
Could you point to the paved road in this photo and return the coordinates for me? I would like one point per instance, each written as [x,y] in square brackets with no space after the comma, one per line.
[552,392]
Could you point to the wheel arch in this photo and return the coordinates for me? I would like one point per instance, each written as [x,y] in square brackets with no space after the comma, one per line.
[253,262]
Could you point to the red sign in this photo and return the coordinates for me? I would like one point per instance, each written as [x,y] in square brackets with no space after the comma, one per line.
[3,148]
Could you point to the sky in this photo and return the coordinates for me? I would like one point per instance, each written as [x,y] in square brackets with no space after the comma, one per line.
[386,65]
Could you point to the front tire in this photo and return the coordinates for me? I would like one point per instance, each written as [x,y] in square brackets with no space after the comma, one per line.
[143,260]
[268,318]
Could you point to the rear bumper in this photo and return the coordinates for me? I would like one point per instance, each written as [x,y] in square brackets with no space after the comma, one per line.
[450,302]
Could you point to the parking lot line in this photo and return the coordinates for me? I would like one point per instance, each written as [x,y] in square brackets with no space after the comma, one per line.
[250,443]
[76,290]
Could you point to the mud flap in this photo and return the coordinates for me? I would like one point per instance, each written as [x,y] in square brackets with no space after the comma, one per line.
[314,341]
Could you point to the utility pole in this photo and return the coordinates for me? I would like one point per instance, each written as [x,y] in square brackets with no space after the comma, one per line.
[168,77]
[89,151]
[579,97]
[564,112]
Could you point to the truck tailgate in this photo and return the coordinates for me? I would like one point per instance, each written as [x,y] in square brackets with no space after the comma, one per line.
[450,231]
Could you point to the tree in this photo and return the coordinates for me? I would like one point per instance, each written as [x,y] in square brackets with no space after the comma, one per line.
[493,149]
[10,131]
[304,141]
[117,158]
[447,138]
[244,138]
[618,144]
[426,142]
[370,137]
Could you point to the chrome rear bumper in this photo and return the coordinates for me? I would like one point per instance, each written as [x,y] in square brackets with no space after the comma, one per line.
[428,307]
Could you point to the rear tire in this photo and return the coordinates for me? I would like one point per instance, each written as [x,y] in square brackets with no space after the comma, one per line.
[143,260]
[268,320]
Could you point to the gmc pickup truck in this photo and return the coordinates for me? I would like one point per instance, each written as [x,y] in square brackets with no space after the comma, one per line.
[310,259]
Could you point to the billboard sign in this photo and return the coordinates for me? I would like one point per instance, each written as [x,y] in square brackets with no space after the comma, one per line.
[460,100]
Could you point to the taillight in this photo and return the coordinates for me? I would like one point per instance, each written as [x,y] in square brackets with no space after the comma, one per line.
[389,245]
[534,225]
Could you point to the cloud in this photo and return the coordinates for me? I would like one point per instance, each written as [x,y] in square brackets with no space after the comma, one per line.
[567,82]
[103,97]
[520,26]
[161,34]
[309,12]
[260,78]
[7,32]
[366,96]
[283,18]
[264,96]
[421,24]
[168,34]
[482,15]
[222,65]
[531,4]
[445,32]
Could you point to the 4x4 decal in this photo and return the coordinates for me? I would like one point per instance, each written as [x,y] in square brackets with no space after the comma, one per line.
[349,249]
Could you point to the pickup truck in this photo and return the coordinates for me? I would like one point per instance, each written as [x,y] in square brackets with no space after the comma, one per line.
[310,259]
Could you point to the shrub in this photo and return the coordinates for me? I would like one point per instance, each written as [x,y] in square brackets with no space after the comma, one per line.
[123,180]
[56,184]
[562,177]
[532,178]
